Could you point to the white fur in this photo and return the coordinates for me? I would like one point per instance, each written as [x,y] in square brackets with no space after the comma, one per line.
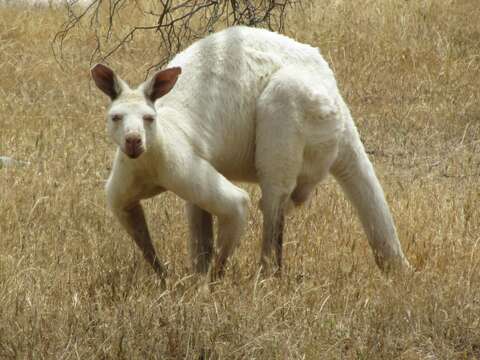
[250,105]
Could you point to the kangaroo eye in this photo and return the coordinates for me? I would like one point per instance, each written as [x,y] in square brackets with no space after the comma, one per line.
[148,118]
[116,117]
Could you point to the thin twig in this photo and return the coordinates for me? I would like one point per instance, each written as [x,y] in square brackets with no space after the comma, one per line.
[177,23]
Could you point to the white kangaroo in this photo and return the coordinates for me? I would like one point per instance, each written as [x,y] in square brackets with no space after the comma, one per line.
[252,106]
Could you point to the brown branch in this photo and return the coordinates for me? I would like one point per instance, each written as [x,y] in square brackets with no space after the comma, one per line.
[178,23]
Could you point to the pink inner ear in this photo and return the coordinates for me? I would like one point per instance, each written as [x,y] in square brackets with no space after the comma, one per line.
[163,82]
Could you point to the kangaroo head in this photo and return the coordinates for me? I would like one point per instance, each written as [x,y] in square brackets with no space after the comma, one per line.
[131,116]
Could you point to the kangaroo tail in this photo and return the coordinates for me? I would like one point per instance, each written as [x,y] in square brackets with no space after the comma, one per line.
[355,173]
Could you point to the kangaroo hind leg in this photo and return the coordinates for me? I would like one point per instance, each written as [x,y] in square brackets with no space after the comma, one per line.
[280,144]
[297,130]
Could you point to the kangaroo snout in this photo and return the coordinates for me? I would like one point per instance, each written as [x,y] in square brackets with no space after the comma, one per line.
[133,145]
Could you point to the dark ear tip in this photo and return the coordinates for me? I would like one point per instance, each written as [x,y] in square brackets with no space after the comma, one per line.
[96,67]
[167,73]
[100,68]
[177,70]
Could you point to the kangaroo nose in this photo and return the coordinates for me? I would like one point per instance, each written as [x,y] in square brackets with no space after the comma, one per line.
[133,145]
[133,141]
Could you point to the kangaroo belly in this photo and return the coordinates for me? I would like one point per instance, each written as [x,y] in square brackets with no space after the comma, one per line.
[242,170]
[234,156]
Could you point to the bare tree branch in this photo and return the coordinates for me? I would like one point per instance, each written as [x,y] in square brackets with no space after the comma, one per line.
[177,22]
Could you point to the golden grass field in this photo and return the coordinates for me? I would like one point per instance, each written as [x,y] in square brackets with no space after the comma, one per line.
[73,285]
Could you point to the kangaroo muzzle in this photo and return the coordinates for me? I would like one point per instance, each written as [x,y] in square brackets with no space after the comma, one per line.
[133,146]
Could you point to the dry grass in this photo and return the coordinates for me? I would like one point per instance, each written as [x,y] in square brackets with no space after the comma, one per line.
[72,285]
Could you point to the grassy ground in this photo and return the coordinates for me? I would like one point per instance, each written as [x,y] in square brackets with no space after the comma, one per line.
[72,285]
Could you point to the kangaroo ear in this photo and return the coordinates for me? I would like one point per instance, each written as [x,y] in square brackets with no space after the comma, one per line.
[161,83]
[106,80]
